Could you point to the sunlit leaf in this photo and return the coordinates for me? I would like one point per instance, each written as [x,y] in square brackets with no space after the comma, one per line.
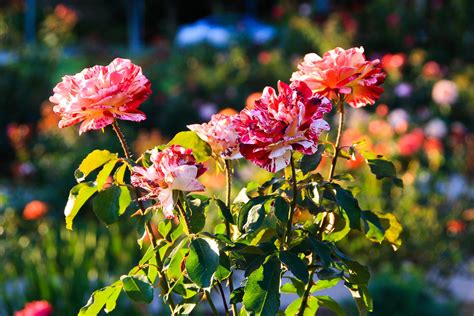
[93,161]
[78,196]
[106,296]
[201,150]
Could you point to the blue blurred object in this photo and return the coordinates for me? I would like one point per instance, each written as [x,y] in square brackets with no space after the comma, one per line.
[221,32]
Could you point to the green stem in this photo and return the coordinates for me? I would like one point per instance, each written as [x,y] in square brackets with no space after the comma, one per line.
[183,214]
[148,229]
[221,291]
[228,175]
[340,108]
[211,304]
[304,300]
[289,223]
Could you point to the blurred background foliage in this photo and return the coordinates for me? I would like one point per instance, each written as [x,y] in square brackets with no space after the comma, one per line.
[208,56]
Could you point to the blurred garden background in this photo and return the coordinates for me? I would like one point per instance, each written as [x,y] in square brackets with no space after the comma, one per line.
[204,57]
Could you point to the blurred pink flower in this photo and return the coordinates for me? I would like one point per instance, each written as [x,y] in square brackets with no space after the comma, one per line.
[381,129]
[279,123]
[220,134]
[98,95]
[342,72]
[410,143]
[445,92]
[174,168]
[36,308]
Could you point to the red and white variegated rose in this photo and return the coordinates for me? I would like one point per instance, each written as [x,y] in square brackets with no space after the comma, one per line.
[343,72]
[291,119]
[98,95]
[174,168]
[220,134]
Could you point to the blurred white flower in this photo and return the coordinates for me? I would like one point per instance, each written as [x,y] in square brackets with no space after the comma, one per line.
[399,119]
[436,128]
[403,90]
[206,110]
[445,92]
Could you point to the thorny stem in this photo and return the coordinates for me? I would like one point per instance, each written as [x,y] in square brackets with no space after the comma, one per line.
[293,201]
[148,229]
[340,108]
[228,174]
[211,304]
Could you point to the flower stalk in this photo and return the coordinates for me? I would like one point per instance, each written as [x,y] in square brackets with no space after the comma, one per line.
[228,175]
[289,223]
[153,240]
[340,109]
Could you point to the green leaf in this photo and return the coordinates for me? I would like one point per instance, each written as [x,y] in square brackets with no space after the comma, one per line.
[105,173]
[294,286]
[78,195]
[346,200]
[311,162]
[137,287]
[251,215]
[93,161]
[324,284]
[202,262]
[373,228]
[224,212]
[165,227]
[363,300]
[119,174]
[237,295]
[261,294]
[201,150]
[295,265]
[282,209]
[329,303]
[176,257]
[382,168]
[197,206]
[340,227]
[322,250]
[393,231]
[223,270]
[358,274]
[106,296]
[109,204]
[150,258]
[312,306]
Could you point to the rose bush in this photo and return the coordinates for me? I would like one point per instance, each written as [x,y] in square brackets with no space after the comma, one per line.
[263,232]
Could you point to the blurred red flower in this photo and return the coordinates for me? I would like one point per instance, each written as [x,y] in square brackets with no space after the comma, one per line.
[455,226]
[410,143]
[392,62]
[35,210]
[36,308]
